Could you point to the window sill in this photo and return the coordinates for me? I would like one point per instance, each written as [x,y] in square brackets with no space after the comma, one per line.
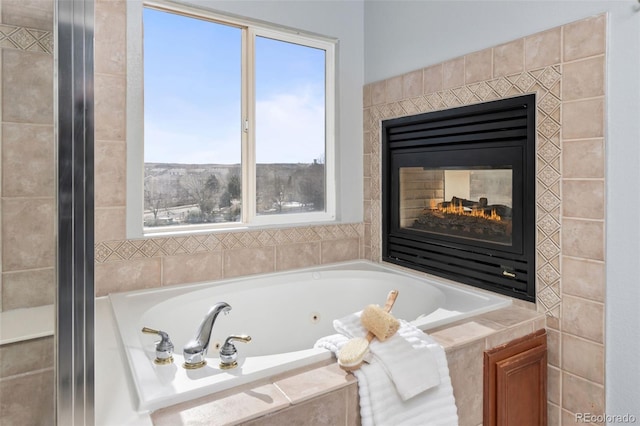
[180,231]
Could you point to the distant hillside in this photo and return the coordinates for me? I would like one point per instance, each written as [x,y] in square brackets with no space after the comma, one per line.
[216,187]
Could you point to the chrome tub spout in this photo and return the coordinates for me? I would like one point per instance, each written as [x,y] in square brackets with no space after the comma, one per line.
[196,349]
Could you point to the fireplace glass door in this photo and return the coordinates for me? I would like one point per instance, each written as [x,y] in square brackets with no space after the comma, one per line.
[464,202]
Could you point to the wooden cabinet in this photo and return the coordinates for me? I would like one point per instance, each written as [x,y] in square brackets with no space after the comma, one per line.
[515,382]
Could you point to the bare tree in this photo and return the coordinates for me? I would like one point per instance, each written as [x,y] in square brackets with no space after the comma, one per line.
[153,198]
[201,189]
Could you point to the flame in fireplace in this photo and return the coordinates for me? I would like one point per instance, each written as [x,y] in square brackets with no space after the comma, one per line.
[462,211]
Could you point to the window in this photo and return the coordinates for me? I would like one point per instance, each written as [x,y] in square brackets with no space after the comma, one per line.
[233,124]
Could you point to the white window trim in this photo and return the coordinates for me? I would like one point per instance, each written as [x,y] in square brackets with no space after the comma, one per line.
[135,123]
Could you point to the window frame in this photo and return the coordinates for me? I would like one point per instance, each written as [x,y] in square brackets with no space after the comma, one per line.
[135,121]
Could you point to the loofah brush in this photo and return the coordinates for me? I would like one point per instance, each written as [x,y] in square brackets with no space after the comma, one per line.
[351,355]
[379,322]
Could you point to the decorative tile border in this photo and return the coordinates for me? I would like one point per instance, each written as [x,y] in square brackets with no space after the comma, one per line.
[546,83]
[110,251]
[26,39]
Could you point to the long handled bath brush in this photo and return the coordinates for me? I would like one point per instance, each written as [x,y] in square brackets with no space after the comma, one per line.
[351,355]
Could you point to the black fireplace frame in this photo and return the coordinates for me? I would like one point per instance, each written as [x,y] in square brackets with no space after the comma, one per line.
[487,134]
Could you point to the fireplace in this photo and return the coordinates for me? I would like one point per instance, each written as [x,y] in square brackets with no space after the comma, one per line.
[458,190]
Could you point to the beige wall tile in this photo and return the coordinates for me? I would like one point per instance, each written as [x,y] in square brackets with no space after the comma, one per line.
[339,250]
[453,73]
[110,174]
[28,13]
[23,357]
[554,376]
[366,165]
[583,358]
[543,49]
[583,158]
[393,89]
[191,268]
[508,335]
[478,66]
[378,92]
[583,199]
[137,274]
[581,396]
[465,332]
[583,79]
[508,58]
[313,383]
[27,250]
[25,289]
[412,84]
[299,255]
[27,399]
[248,261]
[110,107]
[583,238]
[553,347]
[110,224]
[110,45]
[583,318]
[583,119]
[366,95]
[27,160]
[366,191]
[432,79]
[585,38]
[227,409]
[353,406]
[328,410]
[367,144]
[27,76]
[467,388]
[553,415]
[583,278]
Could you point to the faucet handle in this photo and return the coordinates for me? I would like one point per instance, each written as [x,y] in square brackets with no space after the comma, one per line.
[164,347]
[229,353]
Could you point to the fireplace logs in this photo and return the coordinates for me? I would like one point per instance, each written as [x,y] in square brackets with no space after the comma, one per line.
[467,218]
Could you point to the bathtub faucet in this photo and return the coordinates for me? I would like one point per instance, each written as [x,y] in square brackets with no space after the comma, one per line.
[196,349]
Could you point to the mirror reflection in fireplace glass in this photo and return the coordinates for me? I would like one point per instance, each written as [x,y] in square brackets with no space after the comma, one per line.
[469,202]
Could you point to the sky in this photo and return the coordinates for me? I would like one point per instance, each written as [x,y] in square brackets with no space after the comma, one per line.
[192,94]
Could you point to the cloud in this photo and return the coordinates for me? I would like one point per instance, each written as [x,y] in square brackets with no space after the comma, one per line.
[290,128]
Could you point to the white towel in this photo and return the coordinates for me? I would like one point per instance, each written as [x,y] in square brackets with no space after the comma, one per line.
[380,402]
[406,356]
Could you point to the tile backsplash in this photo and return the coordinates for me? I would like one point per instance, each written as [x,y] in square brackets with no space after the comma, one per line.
[565,67]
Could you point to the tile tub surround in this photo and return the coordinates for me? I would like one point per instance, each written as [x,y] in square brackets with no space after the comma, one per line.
[328,396]
[565,67]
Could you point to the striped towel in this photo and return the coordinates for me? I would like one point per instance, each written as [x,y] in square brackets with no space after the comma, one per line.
[381,404]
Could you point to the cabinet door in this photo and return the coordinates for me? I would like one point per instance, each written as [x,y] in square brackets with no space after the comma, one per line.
[515,388]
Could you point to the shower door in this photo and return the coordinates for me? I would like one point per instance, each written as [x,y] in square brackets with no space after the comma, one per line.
[46,221]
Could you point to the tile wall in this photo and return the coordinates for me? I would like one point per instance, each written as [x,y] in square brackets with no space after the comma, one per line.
[565,67]
[27,160]
[123,264]
[27,204]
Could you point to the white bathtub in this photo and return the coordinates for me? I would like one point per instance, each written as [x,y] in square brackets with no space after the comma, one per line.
[284,313]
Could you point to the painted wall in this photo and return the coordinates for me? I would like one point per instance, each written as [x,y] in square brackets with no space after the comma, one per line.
[404,36]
